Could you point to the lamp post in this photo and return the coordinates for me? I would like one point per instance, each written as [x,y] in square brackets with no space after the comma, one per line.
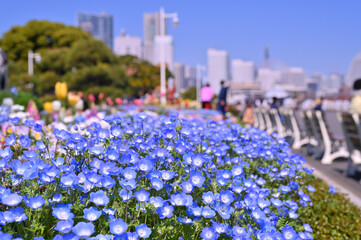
[32,56]
[199,70]
[163,18]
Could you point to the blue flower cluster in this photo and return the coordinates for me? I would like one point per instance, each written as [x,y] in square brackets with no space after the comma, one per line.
[138,177]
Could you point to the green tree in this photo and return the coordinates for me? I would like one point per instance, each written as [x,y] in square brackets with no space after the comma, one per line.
[191,93]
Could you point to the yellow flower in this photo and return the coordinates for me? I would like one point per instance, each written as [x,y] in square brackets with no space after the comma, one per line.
[48,107]
[37,136]
[61,90]
[2,139]
[9,130]
[73,98]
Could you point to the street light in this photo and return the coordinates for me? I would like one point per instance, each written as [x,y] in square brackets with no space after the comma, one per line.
[32,56]
[199,70]
[163,18]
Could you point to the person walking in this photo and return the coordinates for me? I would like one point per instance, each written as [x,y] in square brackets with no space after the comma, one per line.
[222,99]
[206,96]
[355,105]
[248,118]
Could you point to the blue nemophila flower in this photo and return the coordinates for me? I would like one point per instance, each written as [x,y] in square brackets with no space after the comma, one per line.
[19,214]
[289,233]
[129,173]
[208,198]
[167,175]
[63,212]
[11,140]
[239,231]
[125,195]
[224,210]
[157,184]
[332,190]
[197,160]
[207,212]
[157,201]
[310,188]
[166,211]
[130,236]
[38,127]
[142,195]
[179,199]
[61,134]
[118,226]
[99,198]
[15,120]
[208,233]
[12,199]
[145,165]
[187,186]
[83,230]
[227,197]
[197,178]
[91,214]
[143,231]
[35,202]
[221,227]
[64,226]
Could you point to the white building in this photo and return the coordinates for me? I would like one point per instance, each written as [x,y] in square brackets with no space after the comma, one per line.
[267,78]
[354,72]
[190,77]
[242,71]
[218,68]
[151,28]
[128,45]
[334,83]
[179,78]
[167,42]
[293,76]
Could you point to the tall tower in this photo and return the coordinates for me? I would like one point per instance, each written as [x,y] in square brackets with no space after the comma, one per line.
[99,26]
[266,57]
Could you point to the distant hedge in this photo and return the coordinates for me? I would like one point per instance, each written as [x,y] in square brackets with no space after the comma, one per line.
[22,98]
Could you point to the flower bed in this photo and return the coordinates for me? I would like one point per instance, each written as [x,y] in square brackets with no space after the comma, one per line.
[144,177]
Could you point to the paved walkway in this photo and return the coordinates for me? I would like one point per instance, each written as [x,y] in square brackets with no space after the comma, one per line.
[333,175]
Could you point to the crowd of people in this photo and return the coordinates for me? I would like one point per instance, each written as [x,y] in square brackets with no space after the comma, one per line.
[246,108]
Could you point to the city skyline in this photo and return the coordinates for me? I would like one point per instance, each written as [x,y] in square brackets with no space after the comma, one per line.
[307,34]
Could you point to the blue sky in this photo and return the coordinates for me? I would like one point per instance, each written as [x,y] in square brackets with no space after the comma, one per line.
[320,36]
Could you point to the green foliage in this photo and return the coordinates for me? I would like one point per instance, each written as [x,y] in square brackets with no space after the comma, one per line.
[332,216]
[22,98]
[89,52]
[71,55]
[191,93]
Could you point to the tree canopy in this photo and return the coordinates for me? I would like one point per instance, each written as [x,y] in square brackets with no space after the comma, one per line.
[71,55]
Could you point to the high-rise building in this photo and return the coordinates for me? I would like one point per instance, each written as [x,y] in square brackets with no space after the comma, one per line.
[167,42]
[179,78]
[218,68]
[293,76]
[354,71]
[128,45]
[242,71]
[267,78]
[151,28]
[334,82]
[99,26]
[190,76]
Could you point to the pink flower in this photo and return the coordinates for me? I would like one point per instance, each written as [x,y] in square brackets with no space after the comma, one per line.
[119,101]
[101,96]
[91,97]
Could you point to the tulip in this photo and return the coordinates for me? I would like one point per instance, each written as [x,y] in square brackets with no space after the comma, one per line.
[73,98]
[119,101]
[61,90]
[91,97]
[48,107]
